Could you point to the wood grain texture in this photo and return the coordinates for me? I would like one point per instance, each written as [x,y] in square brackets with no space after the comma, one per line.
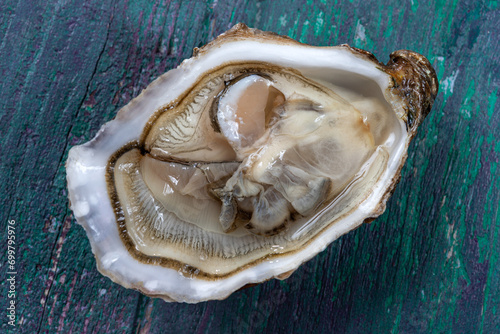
[429,264]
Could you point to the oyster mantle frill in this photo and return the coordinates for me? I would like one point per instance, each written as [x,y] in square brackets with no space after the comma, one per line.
[245,161]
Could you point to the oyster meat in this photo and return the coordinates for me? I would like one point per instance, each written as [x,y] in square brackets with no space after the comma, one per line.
[245,161]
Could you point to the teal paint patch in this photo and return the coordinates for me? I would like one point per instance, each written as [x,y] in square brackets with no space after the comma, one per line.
[414,5]
[493,4]
[492,101]
[468,103]
[390,27]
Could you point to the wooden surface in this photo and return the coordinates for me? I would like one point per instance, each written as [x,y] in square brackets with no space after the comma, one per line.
[430,264]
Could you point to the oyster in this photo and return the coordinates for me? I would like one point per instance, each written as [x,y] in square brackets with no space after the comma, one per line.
[245,161]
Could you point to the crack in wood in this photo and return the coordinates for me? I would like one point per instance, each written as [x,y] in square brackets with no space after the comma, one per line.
[52,271]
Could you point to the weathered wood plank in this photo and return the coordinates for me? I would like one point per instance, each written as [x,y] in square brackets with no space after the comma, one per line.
[429,264]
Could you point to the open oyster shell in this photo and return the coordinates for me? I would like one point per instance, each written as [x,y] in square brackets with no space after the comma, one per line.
[245,161]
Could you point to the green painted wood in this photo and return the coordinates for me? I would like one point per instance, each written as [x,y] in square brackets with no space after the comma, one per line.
[429,264]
